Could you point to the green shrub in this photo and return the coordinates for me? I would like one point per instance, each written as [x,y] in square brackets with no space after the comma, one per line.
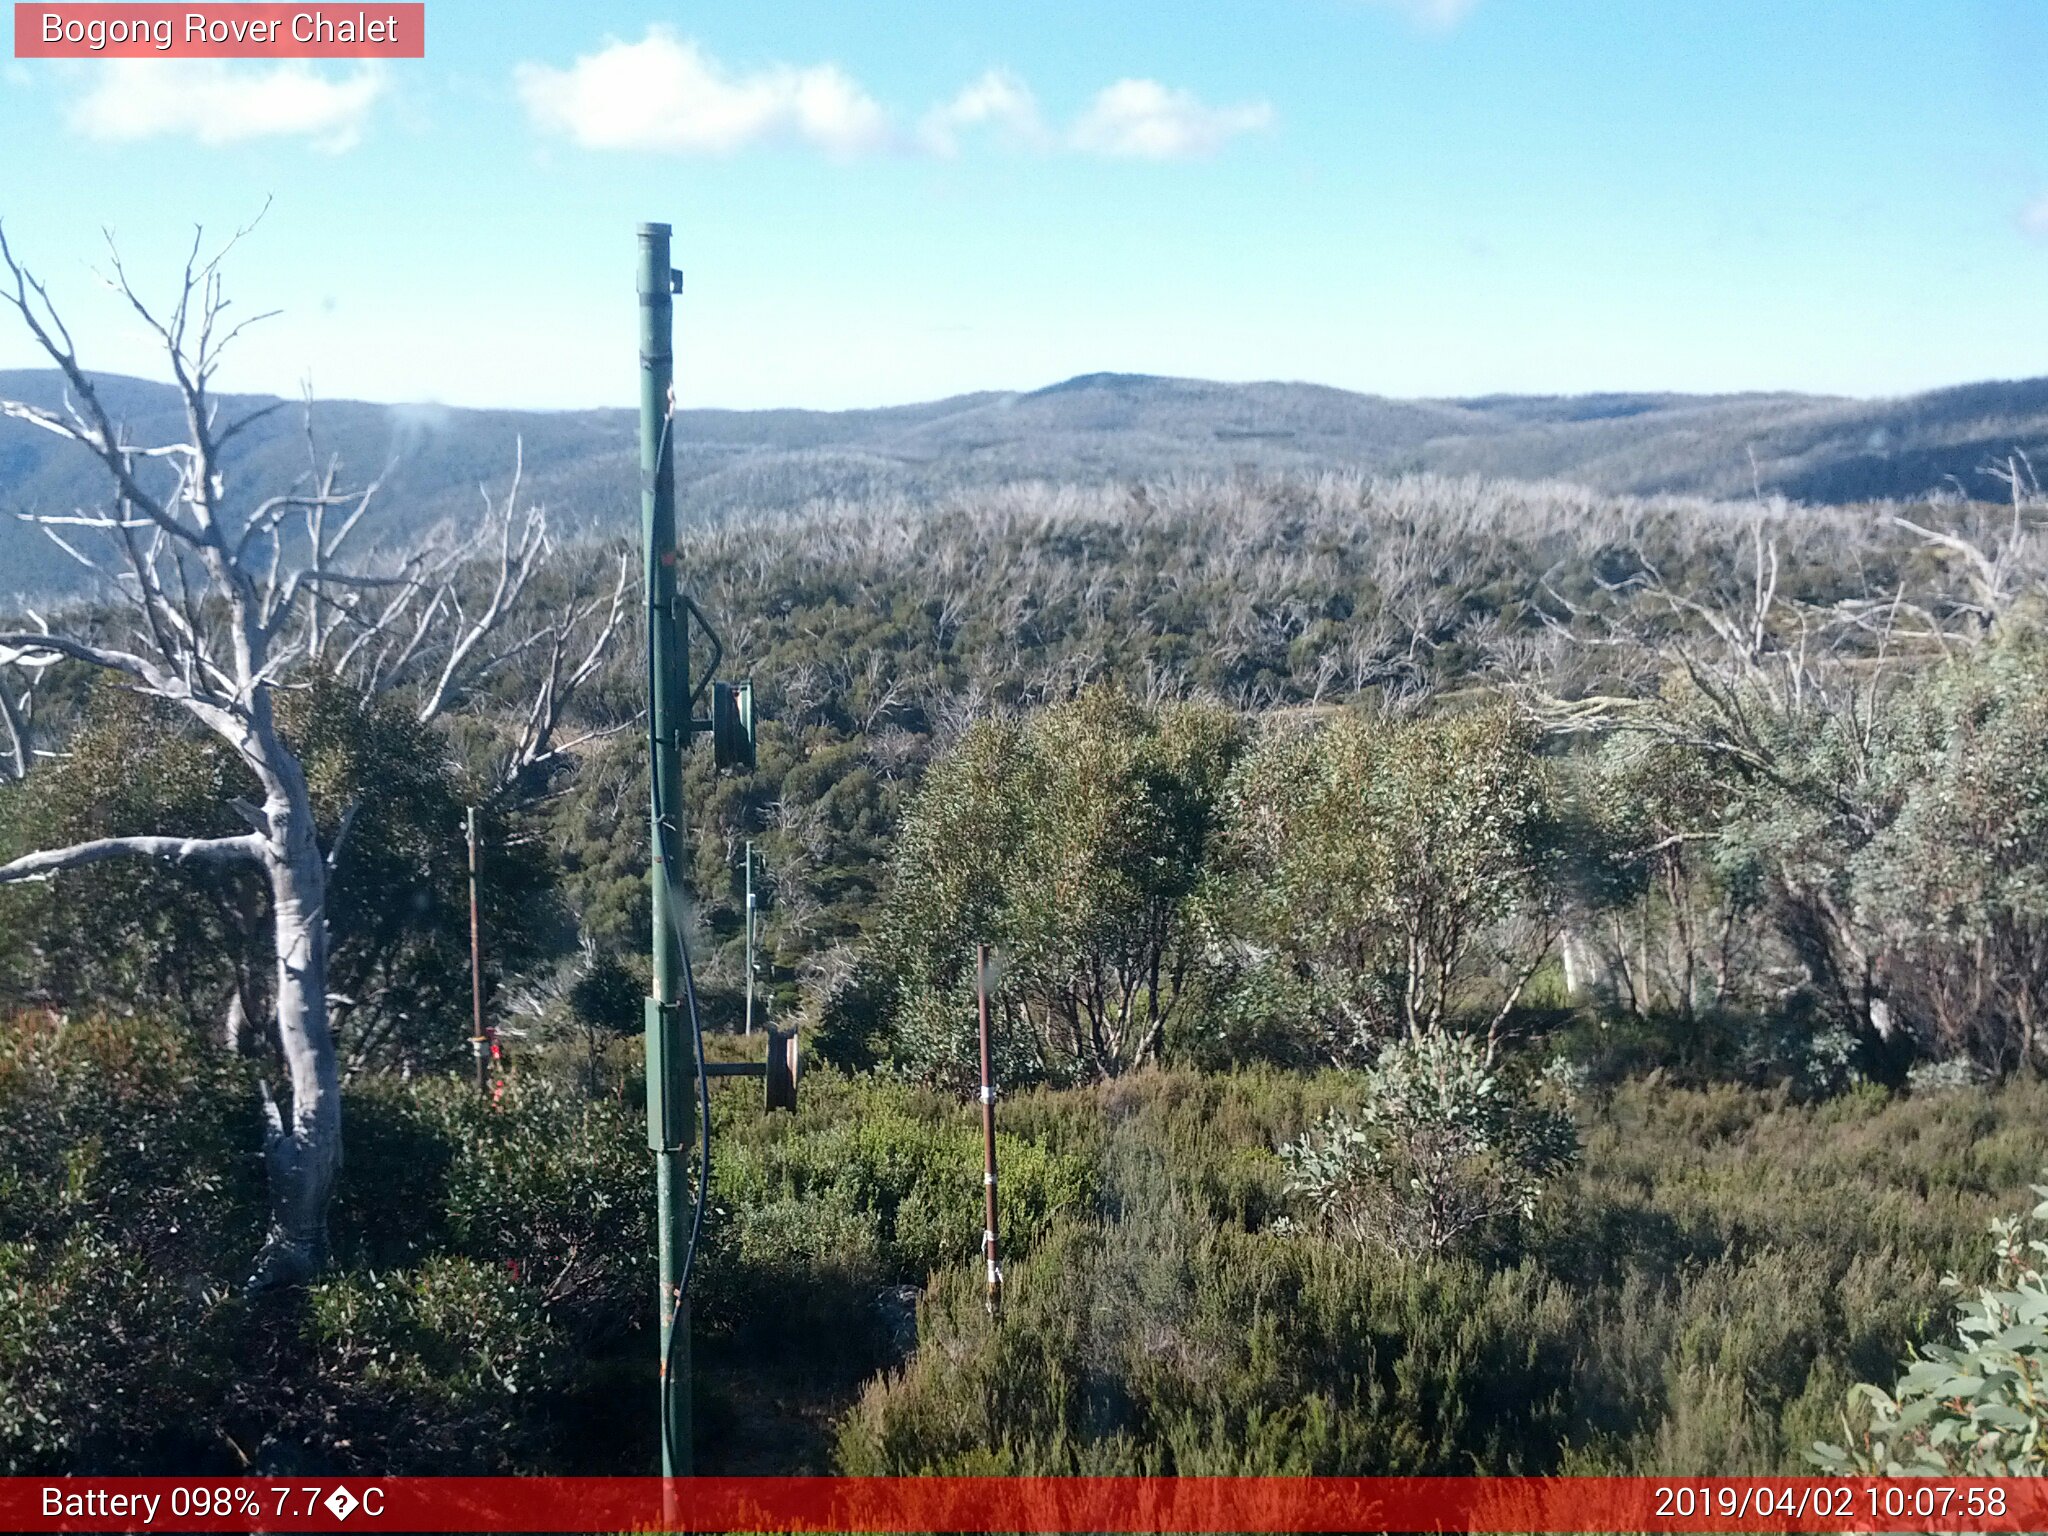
[1376,878]
[106,1361]
[1978,1407]
[546,1184]
[142,935]
[1072,842]
[481,1249]
[1795,1046]
[1443,1151]
[1729,1260]
[129,1202]
[454,1367]
[1160,1344]
[558,1190]
[1955,887]
[876,1182]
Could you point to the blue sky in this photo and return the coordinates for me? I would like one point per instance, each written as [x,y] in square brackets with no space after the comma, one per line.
[897,200]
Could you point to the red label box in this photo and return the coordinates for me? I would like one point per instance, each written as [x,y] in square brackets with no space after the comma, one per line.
[112,30]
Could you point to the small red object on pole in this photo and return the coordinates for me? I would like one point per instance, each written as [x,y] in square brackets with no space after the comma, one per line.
[988,1137]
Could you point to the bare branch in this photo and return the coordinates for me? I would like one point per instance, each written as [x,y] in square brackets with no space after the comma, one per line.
[1991,579]
[552,698]
[29,644]
[516,561]
[177,850]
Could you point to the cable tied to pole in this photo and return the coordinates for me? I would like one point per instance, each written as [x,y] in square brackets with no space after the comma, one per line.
[665,827]
[689,1264]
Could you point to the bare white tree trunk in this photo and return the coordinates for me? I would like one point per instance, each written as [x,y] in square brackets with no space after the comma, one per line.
[218,622]
[1587,978]
[301,1155]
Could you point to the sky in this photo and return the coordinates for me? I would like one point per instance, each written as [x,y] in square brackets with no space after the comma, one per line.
[899,200]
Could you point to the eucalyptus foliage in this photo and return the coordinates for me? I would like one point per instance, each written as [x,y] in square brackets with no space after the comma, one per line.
[1977,1407]
[1384,877]
[146,937]
[1955,887]
[1445,1147]
[1072,843]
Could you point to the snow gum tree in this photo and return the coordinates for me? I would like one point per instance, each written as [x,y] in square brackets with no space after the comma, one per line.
[213,597]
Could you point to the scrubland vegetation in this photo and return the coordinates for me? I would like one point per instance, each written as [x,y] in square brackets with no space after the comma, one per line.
[1492,978]
[1097,429]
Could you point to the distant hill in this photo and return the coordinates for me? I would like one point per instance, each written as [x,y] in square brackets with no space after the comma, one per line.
[1098,427]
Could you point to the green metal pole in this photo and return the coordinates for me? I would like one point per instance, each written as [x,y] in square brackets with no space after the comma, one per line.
[671,1108]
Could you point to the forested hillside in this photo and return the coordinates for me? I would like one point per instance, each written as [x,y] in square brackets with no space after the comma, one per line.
[1492,978]
[1093,430]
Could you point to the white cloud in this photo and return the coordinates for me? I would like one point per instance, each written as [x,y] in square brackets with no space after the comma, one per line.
[2034,218]
[1143,119]
[1438,15]
[217,102]
[666,93]
[997,100]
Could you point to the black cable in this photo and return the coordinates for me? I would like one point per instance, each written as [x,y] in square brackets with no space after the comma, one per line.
[703,1092]
[689,1264]
[664,829]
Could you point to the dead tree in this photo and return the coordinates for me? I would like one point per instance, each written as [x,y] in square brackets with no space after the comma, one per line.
[21,673]
[1773,692]
[224,606]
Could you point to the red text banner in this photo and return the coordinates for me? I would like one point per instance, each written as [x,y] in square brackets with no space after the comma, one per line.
[220,31]
[1109,1504]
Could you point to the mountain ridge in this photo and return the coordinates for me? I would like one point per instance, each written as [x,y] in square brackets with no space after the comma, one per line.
[1090,428]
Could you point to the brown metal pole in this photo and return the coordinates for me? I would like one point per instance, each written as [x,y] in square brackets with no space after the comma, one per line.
[988,1137]
[476,970]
